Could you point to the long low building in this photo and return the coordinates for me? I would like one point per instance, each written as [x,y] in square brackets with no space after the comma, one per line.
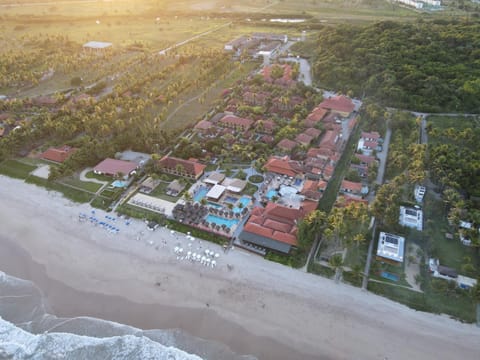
[272,228]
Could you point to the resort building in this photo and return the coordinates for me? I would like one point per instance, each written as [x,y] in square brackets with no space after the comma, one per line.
[236,122]
[368,142]
[188,168]
[271,228]
[339,104]
[391,248]
[58,155]
[283,166]
[411,217]
[114,167]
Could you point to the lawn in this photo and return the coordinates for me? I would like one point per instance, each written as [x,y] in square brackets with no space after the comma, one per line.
[458,304]
[85,185]
[70,193]
[450,252]
[16,169]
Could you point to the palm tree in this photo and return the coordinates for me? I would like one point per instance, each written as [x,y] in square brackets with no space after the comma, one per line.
[359,239]
[336,263]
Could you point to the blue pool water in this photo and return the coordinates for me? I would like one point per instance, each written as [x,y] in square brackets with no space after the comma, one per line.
[298,182]
[218,206]
[244,200]
[119,184]
[200,194]
[271,193]
[230,199]
[389,276]
[220,220]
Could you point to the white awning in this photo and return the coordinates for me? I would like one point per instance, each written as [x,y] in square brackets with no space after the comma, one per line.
[216,191]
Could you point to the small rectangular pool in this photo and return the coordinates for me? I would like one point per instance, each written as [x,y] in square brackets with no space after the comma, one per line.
[230,199]
[244,200]
[220,220]
[389,276]
[218,206]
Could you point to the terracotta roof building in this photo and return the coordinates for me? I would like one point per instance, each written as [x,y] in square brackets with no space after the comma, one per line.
[351,187]
[59,154]
[304,139]
[283,166]
[273,227]
[341,104]
[203,126]
[314,133]
[114,167]
[286,145]
[236,122]
[315,116]
[188,168]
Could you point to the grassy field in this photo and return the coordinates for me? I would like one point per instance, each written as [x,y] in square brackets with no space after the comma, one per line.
[88,186]
[450,252]
[16,169]
[458,304]
[70,193]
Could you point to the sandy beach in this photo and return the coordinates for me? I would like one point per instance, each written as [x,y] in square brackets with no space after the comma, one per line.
[251,305]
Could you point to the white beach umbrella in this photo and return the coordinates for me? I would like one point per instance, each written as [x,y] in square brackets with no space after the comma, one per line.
[214,263]
[217,255]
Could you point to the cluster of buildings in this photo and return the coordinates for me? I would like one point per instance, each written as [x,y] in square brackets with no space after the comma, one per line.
[293,188]
[257,44]
[421,4]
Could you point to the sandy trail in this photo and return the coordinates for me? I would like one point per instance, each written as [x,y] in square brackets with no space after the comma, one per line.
[259,307]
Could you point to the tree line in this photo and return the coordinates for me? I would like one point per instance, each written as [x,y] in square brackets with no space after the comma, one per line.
[425,66]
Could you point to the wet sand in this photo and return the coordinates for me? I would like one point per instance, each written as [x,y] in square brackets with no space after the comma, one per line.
[258,308]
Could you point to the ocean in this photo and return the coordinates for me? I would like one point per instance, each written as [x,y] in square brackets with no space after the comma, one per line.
[29,331]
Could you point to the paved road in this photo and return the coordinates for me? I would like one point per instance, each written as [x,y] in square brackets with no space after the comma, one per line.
[305,69]
[382,156]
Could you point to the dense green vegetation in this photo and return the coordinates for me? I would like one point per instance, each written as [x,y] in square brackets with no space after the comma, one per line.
[423,66]
[454,159]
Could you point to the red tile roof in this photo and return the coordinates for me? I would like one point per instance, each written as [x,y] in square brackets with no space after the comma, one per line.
[203,125]
[283,166]
[351,186]
[365,158]
[191,167]
[370,135]
[114,167]
[315,116]
[59,154]
[304,139]
[276,222]
[314,133]
[287,144]
[338,103]
[329,140]
[236,121]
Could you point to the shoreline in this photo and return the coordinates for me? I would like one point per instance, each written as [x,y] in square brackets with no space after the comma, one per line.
[259,308]
[147,317]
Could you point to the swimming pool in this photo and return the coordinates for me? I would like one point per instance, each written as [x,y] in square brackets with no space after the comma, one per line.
[298,182]
[389,276]
[220,220]
[230,199]
[119,183]
[218,206]
[244,200]
[200,194]
[271,193]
